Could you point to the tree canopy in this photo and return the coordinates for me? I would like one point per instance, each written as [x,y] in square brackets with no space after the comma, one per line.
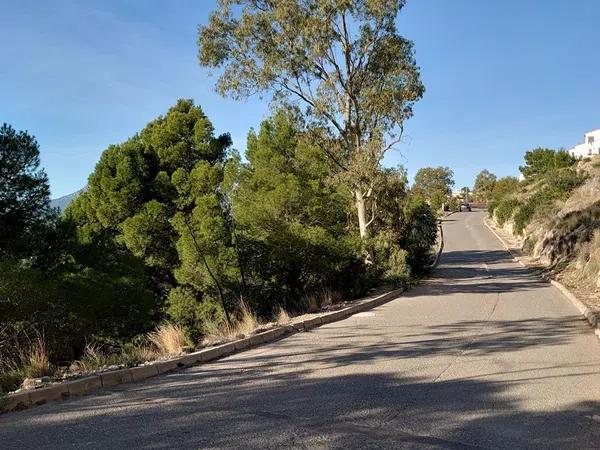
[484,185]
[157,194]
[344,60]
[543,160]
[24,193]
[434,184]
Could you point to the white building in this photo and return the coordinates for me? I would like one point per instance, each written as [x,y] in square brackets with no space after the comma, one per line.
[590,146]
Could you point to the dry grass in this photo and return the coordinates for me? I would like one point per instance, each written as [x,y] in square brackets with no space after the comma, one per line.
[245,324]
[34,359]
[312,303]
[283,318]
[216,333]
[330,297]
[144,353]
[169,339]
[591,261]
[323,298]
[92,359]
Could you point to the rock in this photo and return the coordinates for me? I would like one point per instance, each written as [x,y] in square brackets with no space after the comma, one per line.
[31,383]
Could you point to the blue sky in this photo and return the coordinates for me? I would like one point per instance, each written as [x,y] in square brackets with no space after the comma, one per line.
[501,77]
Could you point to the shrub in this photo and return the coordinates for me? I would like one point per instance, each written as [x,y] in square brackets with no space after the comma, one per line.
[504,210]
[418,236]
[189,310]
[10,381]
[523,216]
[556,185]
[390,260]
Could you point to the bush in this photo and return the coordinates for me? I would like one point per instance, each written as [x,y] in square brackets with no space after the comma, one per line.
[186,308]
[557,185]
[10,381]
[504,210]
[419,235]
[390,260]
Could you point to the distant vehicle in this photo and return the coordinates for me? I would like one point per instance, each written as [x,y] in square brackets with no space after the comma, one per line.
[465,207]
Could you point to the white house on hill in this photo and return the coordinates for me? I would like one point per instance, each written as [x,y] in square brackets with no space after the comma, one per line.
[590,146]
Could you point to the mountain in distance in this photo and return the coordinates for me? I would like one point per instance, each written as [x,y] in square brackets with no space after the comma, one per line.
[64,201]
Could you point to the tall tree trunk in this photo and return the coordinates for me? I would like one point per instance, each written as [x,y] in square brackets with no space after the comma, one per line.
[362,213]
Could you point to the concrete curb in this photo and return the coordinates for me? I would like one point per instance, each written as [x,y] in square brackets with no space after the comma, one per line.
[60,391]
[508,249]
[592,317]
[435,262]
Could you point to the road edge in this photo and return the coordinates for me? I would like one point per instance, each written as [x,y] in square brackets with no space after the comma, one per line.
[435,262]
[592,317]
[82,386]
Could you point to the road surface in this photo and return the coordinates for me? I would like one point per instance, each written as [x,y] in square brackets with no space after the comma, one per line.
[482,355]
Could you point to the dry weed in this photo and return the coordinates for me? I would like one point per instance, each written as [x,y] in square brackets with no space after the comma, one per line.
[34,359]
[169,339]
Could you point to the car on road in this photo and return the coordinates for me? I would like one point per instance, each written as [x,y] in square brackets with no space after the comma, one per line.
[465,207]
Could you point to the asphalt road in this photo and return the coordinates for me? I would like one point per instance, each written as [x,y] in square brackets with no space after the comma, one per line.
[483,355]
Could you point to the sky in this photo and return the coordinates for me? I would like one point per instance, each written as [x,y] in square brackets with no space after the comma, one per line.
[501,77]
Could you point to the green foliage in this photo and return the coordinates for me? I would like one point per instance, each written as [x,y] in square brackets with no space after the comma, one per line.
[505,186]
[10,381]
[419,234]
[26,220]
[434,184]
[157,195]
[290,219]
[169,226]
[358,99]
[555,185]
[191,312]
[541,161]
[504,209]
[484,186]
[390,259]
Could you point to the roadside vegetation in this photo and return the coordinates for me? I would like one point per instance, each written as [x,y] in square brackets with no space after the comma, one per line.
[554,212]
[179,241]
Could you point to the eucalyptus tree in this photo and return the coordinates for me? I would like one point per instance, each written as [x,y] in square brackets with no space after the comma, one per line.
[343,59]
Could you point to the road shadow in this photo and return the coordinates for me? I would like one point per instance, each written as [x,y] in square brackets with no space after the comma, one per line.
[316,390]
[228,409]
[479,272]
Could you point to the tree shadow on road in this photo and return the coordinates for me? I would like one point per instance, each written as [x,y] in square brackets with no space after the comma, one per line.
[302,395]
[479,272]
[225,410]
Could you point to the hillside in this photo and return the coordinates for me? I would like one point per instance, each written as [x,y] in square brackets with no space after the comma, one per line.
[555,219]
[64,201]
